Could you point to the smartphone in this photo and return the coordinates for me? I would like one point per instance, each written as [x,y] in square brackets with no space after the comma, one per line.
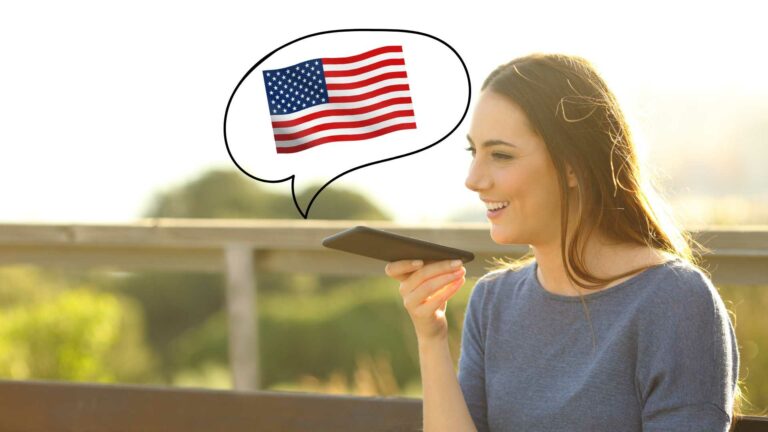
[387,246]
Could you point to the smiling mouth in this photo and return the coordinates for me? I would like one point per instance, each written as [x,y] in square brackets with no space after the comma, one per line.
[497,205]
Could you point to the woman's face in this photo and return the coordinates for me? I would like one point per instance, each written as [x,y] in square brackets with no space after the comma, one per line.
[511,166]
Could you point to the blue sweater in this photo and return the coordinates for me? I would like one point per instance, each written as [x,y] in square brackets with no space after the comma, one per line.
[664,358]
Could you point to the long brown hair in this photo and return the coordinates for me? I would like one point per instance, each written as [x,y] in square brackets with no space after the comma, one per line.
[571,108]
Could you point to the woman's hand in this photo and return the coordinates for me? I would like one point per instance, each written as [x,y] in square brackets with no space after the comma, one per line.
[425,290]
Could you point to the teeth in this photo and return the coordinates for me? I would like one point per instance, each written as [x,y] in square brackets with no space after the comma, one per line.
[496,205]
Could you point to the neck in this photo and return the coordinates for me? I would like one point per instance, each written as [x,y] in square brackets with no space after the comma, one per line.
[601,258]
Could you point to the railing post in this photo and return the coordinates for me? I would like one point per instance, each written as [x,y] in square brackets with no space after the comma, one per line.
[241,316]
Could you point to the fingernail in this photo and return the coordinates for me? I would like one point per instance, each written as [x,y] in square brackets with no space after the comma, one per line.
[455,263]
[417,263]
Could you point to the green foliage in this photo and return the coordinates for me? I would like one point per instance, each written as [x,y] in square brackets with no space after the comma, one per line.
[230,194]
[323,332]
[334,203]
[177,303]
[747,306]
[51,331]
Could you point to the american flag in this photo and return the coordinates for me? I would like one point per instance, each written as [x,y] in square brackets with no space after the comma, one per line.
[326,100]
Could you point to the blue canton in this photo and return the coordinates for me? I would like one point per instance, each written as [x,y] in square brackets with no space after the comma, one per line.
[296,87]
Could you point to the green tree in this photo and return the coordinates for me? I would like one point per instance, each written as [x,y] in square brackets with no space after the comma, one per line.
[177,303]
[54,331]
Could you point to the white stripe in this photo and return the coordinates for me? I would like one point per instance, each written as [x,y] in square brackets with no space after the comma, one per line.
[362,63]
[368,88]
[345,131]
[346,118]
[340,105]
[364,76]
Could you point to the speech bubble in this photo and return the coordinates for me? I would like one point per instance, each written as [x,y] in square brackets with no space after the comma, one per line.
[377,126]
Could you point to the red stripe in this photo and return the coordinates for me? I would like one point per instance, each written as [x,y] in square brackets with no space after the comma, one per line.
[344,125]
[363,56]
[364,69]
[370,94]
[369,81]
[338,138]
[341,111]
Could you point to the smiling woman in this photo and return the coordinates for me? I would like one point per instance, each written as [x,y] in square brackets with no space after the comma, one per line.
[555,164]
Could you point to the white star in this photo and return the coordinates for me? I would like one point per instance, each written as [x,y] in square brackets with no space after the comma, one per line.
[267,73]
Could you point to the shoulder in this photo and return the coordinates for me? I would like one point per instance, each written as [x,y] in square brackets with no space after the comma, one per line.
[681,291]
[500,280]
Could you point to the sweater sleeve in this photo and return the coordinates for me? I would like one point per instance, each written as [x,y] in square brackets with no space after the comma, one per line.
[688,359]
[472,361]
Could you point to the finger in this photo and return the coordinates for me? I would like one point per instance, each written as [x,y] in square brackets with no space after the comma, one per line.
[432,270]
[441,291]
[438,298]
[428,287]
[400,269]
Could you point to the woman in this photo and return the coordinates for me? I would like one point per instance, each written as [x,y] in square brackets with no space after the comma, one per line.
[610,325]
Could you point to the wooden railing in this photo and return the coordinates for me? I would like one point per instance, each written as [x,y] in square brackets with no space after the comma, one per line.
[31,406]
[242,248]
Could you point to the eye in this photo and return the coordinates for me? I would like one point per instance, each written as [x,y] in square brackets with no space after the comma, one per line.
[503,156]
[471,150]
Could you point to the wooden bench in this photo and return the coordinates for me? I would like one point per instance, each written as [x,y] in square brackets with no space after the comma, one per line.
[37,406]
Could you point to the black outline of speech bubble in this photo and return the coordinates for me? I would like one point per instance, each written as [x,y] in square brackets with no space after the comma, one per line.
[292,177]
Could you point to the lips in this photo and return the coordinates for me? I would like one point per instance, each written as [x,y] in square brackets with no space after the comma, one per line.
[496,209]
[495,204]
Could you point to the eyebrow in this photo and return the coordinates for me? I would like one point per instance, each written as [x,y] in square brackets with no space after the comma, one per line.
[492,142]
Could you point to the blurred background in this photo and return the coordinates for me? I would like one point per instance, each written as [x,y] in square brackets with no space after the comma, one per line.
[111,114]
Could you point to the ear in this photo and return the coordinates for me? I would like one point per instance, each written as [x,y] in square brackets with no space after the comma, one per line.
[572,180]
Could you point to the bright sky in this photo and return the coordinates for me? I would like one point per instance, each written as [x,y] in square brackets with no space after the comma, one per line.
[103,104]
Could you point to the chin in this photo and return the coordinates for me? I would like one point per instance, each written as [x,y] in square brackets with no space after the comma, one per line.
[500,235]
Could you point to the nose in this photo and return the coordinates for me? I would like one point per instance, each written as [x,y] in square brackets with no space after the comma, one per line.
[477,178]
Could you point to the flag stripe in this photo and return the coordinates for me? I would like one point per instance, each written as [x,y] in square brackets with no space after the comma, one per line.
[351,118]
[356,137]
[371,87]
[363,56]
[347,131]
[339,112]
[344,125]
[363,69]
[364,96]
[366,82]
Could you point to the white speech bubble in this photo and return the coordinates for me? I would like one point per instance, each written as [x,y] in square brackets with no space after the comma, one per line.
[439,88]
